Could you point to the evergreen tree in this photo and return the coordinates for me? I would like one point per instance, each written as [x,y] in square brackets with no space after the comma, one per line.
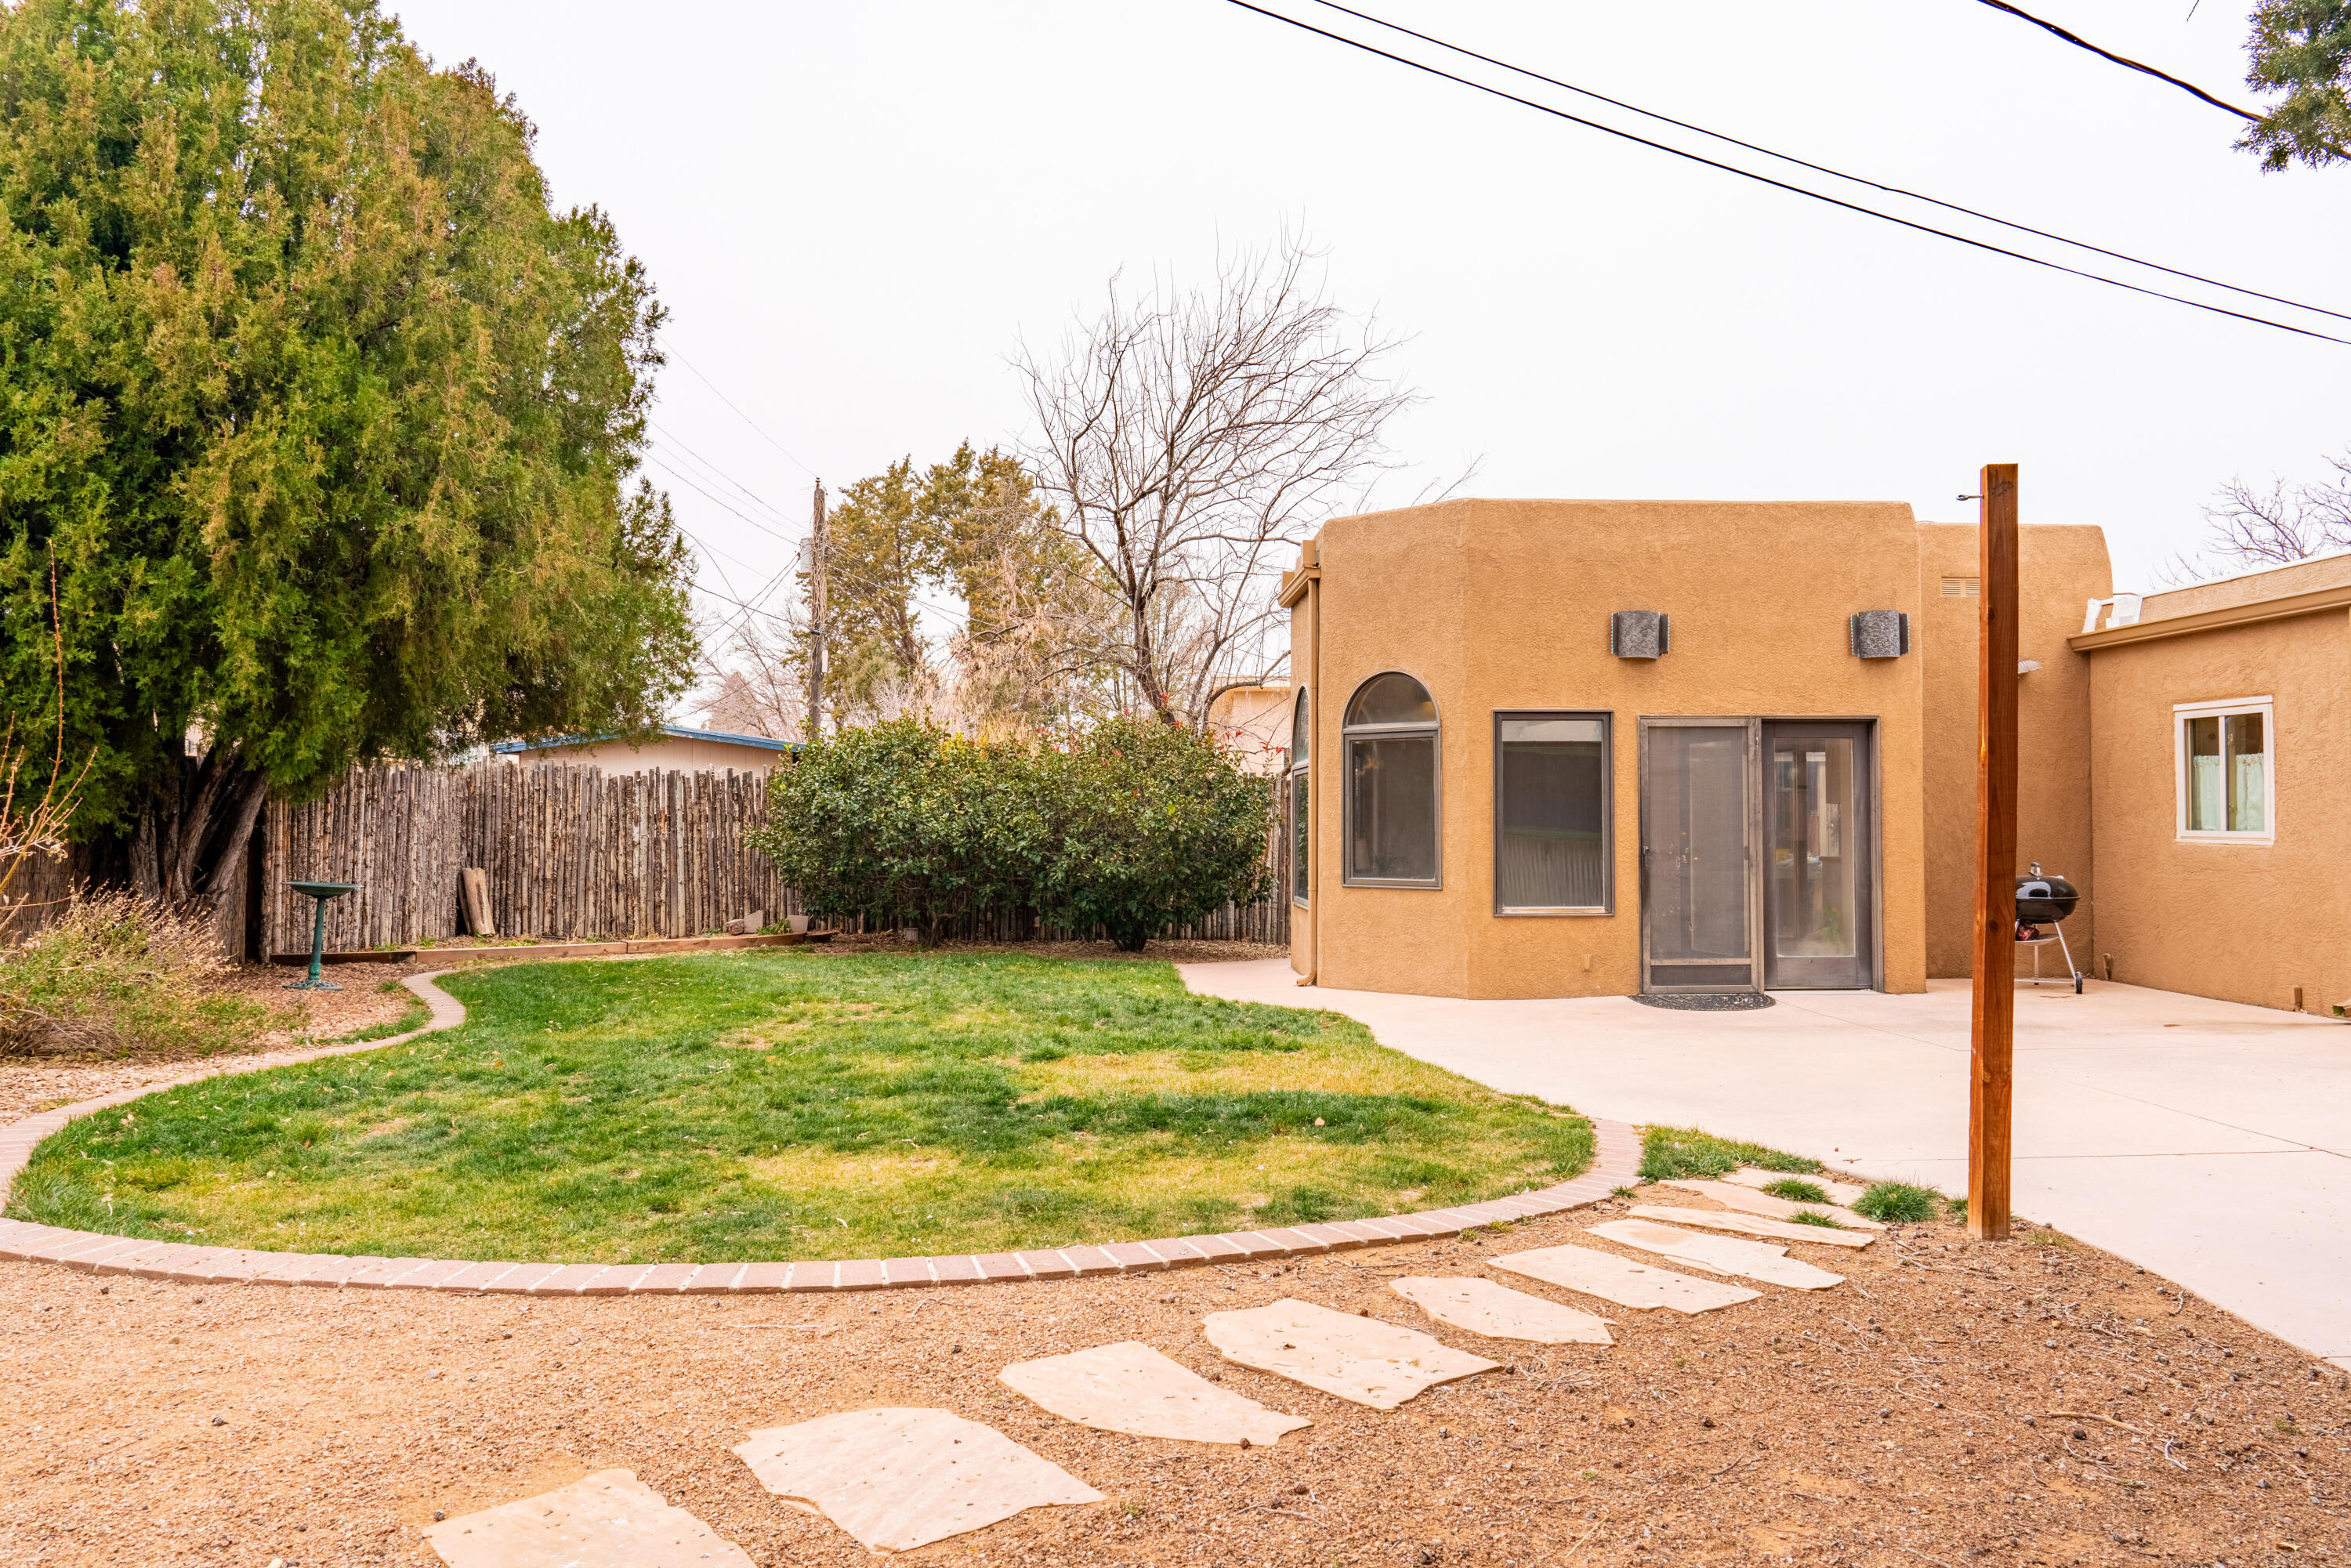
[323,419]
[2305,47]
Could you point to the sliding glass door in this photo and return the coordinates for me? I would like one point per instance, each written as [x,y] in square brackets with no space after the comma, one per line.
[1819,919]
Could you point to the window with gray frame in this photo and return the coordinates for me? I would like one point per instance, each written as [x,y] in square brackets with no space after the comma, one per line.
[1391,817]
[1301,727]
[1551,819]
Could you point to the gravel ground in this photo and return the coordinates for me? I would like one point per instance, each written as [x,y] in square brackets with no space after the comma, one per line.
[2015,1402]
[32,1084]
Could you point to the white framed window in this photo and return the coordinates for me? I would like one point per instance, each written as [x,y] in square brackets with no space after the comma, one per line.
[2227,770]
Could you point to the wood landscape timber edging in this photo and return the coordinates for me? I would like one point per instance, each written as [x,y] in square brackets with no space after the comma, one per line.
[1616,1162]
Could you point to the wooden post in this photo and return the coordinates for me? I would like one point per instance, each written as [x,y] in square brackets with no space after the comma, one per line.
[1993,1056]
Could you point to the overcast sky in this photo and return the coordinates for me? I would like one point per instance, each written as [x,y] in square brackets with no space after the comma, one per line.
[854,213]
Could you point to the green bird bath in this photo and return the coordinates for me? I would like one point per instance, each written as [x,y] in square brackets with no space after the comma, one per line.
[321,891]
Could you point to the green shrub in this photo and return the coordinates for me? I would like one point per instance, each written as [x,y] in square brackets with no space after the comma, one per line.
[1898,1203]
[1795,1189]
[1151,826]
[906,822]
[117,975]
[1685,1154]
[1135,826]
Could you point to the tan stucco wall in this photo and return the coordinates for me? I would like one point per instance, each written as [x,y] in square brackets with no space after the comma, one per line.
[669,753]
[1505,605]
[2242,921]
[2059,571]
[1305,671]
[2277,582]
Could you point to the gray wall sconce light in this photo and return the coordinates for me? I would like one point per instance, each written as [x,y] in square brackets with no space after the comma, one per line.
[1640,634]
[1880,635]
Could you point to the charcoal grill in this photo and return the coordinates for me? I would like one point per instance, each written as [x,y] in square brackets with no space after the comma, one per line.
[2042,901]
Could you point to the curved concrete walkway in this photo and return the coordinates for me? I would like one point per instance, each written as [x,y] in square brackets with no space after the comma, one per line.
[2209,1142]
[1616,1157]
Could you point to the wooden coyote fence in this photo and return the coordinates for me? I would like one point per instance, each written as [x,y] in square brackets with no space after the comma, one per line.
[571,851]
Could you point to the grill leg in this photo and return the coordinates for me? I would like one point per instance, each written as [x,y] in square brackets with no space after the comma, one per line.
[2063,946]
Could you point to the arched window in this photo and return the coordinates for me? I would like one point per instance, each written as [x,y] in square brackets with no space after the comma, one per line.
[1302,864]
[1392,784]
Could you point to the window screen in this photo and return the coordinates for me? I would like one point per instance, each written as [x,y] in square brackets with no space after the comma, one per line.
[1392,819]
[1551,841]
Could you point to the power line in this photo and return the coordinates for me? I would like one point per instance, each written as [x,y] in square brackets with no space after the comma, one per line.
[744,417]
[669,442]
[1824,169]
[1781,184]
[750,609]
[2080,43]
[719,502]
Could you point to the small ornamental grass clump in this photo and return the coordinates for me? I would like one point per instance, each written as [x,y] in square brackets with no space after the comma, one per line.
[1898,1203]
[1797,1190]
[1813,1216]
[117,976]
[1685,1154]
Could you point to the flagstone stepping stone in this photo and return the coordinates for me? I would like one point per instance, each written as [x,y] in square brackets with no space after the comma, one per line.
[1731,1196]
[1752,1225]
[1842,1193]
[898,1479]
[608,1520]
[1622,1281]
[1497,1311]
[1721,1254]
[1362,1359]
[1130,1388]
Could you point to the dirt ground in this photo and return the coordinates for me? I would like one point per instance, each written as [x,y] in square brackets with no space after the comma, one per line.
[1956,1402]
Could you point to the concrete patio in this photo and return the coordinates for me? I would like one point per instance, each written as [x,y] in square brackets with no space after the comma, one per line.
[2209,1142]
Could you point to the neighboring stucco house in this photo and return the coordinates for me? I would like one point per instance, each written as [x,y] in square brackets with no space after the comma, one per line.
[675,748]
[1547,748]
[1250,724]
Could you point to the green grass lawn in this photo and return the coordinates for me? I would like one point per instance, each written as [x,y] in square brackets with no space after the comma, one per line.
[774,1103]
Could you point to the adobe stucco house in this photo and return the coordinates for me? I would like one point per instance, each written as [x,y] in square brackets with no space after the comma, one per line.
[1553,749]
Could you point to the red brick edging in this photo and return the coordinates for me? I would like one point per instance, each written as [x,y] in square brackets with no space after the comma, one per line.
[1616,1157]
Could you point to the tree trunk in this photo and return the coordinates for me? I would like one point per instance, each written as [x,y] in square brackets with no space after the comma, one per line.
[193,827]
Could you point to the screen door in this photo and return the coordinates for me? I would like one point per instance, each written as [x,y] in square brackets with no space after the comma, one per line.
[1696,864]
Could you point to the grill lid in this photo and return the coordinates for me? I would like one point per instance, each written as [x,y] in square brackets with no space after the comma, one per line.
[2043,899]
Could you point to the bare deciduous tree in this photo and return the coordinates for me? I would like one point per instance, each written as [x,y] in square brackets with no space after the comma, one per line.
[763,690]
[2276,527]
[1189,439]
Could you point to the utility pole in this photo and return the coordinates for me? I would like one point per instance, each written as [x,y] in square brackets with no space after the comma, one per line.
[1992,1055]
[819,550]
